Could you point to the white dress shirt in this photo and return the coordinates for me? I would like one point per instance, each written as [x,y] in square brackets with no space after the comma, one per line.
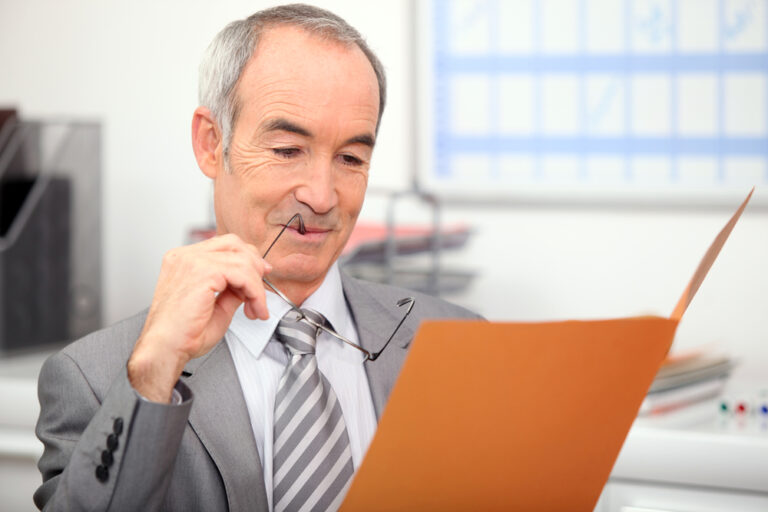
[260,362]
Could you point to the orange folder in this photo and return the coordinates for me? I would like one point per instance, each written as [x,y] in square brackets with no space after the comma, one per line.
[514,416]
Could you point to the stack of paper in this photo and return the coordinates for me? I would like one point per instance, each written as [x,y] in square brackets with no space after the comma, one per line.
[687,379]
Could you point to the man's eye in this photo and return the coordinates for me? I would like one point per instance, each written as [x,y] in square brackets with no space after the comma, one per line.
[351,160]
[286,152]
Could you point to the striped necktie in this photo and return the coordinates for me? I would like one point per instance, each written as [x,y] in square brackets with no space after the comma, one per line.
[312,463]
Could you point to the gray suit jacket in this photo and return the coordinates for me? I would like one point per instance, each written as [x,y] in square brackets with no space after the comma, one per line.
[199,455]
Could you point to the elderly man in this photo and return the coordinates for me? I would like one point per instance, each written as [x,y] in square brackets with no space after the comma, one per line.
[225,395]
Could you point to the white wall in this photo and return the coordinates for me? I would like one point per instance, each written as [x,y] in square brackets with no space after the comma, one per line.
[133,66]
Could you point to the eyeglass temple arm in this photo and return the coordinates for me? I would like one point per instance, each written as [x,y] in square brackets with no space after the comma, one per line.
[281,295]
[339,337]
[288,301]
[410,301]
[302,230]
[402,302]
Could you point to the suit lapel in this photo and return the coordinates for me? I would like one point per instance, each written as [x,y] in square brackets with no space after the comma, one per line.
[375,319]
[219,417]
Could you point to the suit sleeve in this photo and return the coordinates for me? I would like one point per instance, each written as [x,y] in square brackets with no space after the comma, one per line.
[114,452]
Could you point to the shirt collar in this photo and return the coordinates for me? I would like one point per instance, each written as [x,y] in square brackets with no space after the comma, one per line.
[327,300]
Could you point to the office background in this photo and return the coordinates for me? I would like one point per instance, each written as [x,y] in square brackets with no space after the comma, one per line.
[133,66]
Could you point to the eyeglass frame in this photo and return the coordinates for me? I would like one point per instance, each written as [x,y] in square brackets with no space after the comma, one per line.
[409,301]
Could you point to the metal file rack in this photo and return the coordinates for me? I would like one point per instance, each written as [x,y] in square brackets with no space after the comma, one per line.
[50,232]
[397,257]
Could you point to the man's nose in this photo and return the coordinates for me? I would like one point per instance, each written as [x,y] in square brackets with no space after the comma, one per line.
[318,187]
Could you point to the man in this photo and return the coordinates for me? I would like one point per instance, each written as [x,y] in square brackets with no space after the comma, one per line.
[205,402]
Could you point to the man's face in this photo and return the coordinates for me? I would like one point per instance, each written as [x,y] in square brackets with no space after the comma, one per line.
[302,143]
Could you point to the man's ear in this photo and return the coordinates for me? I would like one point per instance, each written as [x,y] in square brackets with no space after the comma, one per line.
[207,142]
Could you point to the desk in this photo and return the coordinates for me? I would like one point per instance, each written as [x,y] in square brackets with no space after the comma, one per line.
[691,460]
[19,448]
[694,459]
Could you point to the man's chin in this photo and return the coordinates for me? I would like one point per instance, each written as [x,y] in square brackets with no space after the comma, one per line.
[296,284]
[297,270]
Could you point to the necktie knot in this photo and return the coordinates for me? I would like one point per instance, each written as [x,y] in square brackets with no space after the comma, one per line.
[297,333]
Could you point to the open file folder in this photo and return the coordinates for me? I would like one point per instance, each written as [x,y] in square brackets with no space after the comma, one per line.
[514,416]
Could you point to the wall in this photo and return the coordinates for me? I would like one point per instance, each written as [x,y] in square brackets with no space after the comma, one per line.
[133,66]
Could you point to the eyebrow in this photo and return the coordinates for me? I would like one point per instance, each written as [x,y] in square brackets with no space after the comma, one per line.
[366,140]
[284,125]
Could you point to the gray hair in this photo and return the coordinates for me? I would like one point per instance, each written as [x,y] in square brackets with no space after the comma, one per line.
[232,48]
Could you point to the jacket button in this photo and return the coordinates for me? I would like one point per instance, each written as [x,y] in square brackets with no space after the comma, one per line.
[112,442]
[102,473]
[117,427]
[106,458]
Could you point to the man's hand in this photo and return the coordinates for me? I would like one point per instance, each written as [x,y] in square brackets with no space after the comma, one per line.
[199,289]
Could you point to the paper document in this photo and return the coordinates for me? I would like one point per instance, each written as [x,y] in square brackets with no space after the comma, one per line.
[706,262]
[514,416]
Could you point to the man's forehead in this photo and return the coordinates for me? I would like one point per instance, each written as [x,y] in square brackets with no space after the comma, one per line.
[294,42]
[293,65]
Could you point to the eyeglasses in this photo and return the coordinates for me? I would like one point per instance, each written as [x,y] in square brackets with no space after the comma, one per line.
[407,301]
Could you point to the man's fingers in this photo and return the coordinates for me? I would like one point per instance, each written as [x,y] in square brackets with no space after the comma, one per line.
[243,274]
[226,242]
[223,263]
[253,308]
[224,308]
[230,242]
[240,271]
[228,301]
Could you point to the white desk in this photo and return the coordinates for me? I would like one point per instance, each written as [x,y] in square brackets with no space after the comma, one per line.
[694,459]
[691,460]
[19,448]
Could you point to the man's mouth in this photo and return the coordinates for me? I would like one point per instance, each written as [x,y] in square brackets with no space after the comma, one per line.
[310,233]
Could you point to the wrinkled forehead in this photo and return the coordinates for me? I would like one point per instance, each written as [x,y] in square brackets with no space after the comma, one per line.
[304,70]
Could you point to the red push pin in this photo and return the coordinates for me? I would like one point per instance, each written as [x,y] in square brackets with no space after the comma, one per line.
[741,408]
